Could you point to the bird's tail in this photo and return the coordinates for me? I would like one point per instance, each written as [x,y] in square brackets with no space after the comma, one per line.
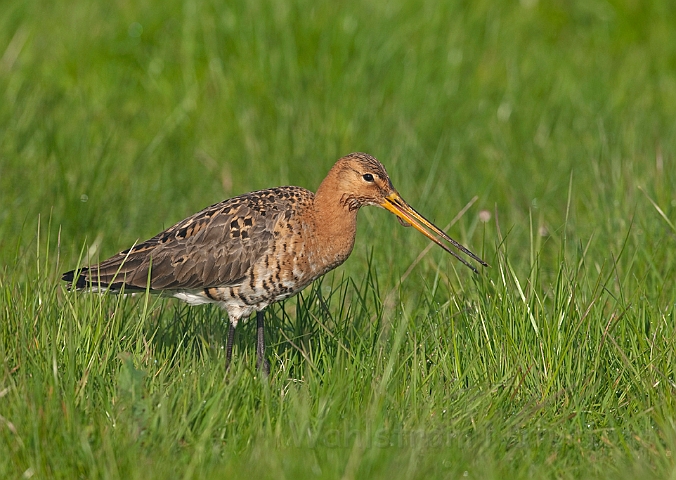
[92,279]
[76,278]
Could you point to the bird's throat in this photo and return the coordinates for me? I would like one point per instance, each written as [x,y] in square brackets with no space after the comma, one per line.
[335,224]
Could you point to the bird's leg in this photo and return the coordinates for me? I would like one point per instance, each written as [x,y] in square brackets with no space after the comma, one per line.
[261,361]
[228,344]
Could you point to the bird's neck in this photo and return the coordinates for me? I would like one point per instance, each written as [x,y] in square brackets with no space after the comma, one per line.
[335,223]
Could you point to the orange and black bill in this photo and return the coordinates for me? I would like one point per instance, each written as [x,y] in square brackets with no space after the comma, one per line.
[395,204]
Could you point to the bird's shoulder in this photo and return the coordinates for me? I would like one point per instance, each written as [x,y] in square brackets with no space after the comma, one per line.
[238,218]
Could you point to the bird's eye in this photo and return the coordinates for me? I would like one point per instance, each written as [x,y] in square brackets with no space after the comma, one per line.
[368,177]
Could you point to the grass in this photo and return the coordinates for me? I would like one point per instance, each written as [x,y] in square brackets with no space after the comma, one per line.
[117,120]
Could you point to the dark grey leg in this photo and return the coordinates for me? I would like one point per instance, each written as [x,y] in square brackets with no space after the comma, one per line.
[261,361]
[228,345]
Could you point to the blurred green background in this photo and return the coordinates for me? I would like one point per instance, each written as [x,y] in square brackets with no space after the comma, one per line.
[119,119]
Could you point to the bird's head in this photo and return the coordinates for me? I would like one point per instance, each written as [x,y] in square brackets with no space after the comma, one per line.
[360,179]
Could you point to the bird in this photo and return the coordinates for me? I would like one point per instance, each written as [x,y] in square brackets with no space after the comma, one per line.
[259,248]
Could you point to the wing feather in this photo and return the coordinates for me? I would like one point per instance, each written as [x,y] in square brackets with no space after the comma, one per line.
[215,247]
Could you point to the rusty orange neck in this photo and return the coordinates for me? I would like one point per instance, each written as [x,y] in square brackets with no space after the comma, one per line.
[335,223]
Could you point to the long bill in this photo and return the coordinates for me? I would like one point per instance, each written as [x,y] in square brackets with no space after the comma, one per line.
[395,204]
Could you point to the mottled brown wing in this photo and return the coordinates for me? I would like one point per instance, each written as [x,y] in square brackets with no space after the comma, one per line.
[215,247]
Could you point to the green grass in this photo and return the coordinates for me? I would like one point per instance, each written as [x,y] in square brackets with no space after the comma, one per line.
[117,120]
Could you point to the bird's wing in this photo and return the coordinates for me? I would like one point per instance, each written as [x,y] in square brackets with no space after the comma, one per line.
[214,247]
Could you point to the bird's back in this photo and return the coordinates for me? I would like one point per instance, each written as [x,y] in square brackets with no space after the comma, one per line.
[216,247]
